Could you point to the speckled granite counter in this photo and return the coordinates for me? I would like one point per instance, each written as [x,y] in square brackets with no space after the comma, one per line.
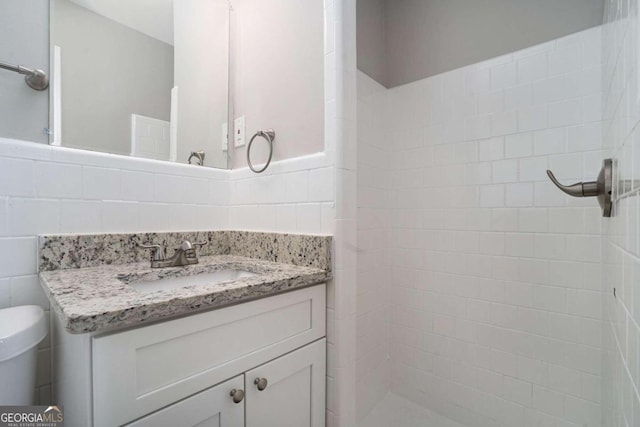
[88,278]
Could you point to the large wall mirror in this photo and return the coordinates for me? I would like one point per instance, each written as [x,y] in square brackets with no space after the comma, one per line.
[143,78]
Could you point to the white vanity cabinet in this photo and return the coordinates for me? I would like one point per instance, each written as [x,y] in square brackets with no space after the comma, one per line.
[290,392]
[182,371]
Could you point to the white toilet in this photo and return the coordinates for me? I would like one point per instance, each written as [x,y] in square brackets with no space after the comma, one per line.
[21,329]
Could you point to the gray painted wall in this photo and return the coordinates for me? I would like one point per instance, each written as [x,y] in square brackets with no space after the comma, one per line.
[428,37]
[24,40]
[201,42]
[278,76]
[371,39]
[109,71]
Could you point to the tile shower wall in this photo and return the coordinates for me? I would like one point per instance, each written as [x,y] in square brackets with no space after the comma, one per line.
[45,190]
[374,194]
[495,312]
[621,250]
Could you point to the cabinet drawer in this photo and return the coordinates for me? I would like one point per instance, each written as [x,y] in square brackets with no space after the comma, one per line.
[142,370]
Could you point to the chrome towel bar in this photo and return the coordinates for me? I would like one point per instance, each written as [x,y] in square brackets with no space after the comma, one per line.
[35,79]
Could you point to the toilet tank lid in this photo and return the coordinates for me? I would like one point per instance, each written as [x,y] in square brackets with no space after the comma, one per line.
[21,328]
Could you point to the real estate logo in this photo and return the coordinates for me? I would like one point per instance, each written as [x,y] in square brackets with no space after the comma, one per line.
[31,416]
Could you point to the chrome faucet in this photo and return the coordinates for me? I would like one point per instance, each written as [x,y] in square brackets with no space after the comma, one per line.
[184,255]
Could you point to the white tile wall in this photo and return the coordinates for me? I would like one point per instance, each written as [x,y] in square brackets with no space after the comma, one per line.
[494,304]
[373,279]
[295,196]
[621,253]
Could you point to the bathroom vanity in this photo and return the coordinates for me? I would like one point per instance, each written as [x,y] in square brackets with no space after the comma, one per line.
[244,350]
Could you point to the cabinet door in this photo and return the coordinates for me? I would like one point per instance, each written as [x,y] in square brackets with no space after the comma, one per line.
[214,407]
[289,391]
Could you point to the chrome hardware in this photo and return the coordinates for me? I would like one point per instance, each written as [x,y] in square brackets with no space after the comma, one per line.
[199,155]
[261,383]
[184,255]
[35,79]
[270,136]
[237,395]
[601,188]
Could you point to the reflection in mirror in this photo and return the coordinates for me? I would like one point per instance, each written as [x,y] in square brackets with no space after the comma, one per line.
[146,78]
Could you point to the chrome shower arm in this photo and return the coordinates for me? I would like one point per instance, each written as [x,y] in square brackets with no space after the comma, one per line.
[35,79]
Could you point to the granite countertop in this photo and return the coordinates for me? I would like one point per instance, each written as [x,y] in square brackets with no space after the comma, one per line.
[99,298]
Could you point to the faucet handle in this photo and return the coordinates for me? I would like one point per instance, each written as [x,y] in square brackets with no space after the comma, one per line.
[187,245]
[201,244]
[157,251]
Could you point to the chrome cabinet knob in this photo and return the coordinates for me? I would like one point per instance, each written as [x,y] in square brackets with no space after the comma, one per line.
[261,383]
[237,395]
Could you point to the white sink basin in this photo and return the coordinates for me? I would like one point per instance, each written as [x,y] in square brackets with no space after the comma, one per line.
[202,279]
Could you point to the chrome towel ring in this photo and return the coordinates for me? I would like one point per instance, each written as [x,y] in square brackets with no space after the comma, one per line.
[269,135]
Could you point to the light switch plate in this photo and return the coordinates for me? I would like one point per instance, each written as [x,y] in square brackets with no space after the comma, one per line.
[238,132]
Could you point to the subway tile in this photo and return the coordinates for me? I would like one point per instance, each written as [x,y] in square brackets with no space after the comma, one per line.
[532,68]
[58,180]
[504,171]
[492,102]
[17,256]
[101,183]
[477,127]
[532,169]
[120,216]
[78,216]
[565,59]
[137,186]
[565,113]
[532,118]
[26,290]
[491,149]
[308,218]
[518,97]
[492,196]
[549,141]
[503,76]
[321,184]
[33,216]
[504,123]
[297,186]
[519,195]
[518,391]
[518,145]
[5,293]
[17,177]
[548,401]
